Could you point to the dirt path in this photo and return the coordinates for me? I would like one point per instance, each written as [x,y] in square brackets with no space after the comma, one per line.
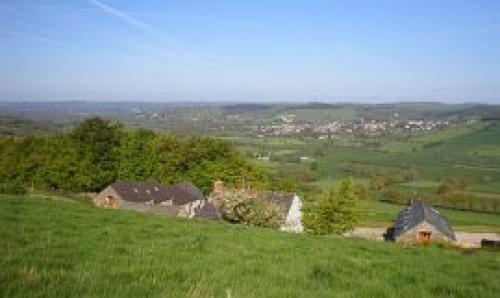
[467,239]
[474,239]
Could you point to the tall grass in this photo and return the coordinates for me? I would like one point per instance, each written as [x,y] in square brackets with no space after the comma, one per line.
[52,248]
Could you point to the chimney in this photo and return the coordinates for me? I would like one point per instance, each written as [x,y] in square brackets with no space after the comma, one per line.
[218,186]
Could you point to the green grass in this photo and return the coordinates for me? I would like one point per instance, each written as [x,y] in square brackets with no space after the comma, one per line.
[53,248]
[469,151]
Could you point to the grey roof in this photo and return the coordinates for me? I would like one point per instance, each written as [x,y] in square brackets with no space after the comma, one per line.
[418,212]
[140,192]
[183,193]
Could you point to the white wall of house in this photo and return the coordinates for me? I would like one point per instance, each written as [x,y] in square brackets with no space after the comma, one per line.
[293,222]
[189,210]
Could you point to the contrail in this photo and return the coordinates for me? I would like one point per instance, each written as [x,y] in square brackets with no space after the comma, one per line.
[130,20]
[171,40]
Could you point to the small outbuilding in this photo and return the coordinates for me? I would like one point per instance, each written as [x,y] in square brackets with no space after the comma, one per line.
[421,224]
[182,199]
[123,194]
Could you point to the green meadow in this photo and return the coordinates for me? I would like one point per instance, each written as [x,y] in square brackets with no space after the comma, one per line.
[469,151]
[65,248]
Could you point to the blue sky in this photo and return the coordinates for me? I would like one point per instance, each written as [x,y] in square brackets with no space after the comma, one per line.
[369,51]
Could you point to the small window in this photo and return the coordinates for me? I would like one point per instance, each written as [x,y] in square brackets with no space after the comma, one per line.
[424,237]
[156,188]
[148,191]
[136,190]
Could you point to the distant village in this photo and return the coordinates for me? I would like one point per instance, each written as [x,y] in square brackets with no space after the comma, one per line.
[291,125]
[287,125]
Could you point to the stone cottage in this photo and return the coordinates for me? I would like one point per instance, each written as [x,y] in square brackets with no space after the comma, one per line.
[421,224]
[182,199]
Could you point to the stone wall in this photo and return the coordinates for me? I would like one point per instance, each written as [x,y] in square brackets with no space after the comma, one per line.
[107,198]
[411,236]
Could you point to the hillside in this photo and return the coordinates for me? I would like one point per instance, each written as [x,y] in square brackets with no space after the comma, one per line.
[419,161]
[54,248]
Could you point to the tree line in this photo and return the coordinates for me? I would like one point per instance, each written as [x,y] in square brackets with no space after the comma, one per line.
[451,193]
[98,152]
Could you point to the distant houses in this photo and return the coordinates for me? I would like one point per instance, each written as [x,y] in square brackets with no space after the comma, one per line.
[421,224]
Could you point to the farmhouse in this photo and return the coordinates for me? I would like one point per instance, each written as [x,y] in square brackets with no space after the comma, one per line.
[288,204]
[421,224]
[182,199]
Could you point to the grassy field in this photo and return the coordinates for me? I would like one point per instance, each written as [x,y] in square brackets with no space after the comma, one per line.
[468,151]
[54,248]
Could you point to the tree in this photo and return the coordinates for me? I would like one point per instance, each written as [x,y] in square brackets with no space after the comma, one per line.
[138,156]
[334,212]
[60,169]
[380,182]
[203,160]
[98,143]
[97,152]
[451,184]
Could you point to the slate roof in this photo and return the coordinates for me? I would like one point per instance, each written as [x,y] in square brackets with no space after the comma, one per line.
[140,192]
[418,212]
[183,193]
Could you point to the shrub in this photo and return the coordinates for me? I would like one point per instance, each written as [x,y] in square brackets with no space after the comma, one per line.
[244,206]
[396,197]
[452,184]
[333,213]
[13,188]
[381,181]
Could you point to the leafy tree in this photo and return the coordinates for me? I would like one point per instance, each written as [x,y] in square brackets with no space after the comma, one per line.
[12,188]
[334,212]
[60,169]
[97,152]
[203,160]
[380,182]
[97,142]
[452,184]
[138,156]
[394,196]
[409,175]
